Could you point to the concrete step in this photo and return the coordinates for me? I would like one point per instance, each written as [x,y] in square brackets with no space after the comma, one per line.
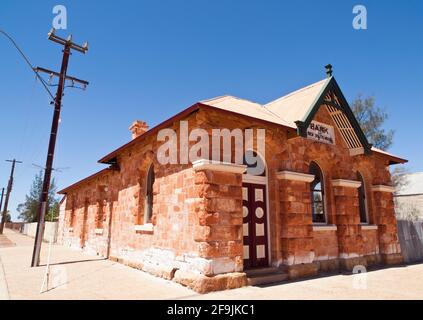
[262,271]
[267,279]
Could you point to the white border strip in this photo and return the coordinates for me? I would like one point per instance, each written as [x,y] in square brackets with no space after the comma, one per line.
[383,188]
[204,164]
[330,227]
[249,178]
[144,227]
[346,183]
[296,176]
[369,227]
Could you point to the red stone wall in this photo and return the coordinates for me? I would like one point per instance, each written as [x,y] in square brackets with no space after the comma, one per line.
[387,227]
[197,218]
[370,242]
[326,249]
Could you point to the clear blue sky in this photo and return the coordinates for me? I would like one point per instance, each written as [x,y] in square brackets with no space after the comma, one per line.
[150,59]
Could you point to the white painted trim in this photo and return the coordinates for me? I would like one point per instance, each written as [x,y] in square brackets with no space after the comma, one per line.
[356,151]
[329,227]
[144,227]
[296,176]
[369,227]
[204,164]
[383,188]
[346,183]
[249,178]
[98,231]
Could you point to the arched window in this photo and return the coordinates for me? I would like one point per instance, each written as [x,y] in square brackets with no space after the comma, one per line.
[362,200]
[317,194]
[148,213]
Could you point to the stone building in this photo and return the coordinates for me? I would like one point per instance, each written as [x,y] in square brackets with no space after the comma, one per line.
[323,201]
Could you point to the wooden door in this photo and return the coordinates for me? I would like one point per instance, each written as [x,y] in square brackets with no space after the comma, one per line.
[254,225]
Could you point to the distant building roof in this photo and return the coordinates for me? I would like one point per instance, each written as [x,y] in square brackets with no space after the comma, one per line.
[414,184]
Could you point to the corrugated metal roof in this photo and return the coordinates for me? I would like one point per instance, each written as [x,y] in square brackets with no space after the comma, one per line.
[398,159]
[247,108]
[295,106]
[284,111]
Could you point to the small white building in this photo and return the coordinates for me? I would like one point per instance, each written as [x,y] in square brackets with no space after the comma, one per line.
[409,198]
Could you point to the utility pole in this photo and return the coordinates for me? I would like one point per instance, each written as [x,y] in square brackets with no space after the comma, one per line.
[68,46]
[1,199]
[9,190]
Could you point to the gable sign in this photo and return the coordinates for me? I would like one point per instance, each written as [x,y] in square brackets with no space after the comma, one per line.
[321,132]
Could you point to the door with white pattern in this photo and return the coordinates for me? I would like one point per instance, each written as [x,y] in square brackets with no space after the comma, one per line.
[254,225]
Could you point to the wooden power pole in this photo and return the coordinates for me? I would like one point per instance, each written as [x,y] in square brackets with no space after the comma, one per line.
[68,46]
[9,190]
[1,199]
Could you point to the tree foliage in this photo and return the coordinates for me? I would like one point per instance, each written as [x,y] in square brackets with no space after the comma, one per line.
[399,177]
[8,217]
[371,119]
[28,210]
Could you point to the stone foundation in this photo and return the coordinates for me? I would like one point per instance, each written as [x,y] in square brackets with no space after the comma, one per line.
[302,270]
[204,284]
[191,279]
[373,259]
[348,264]
[328,265]
[392,259]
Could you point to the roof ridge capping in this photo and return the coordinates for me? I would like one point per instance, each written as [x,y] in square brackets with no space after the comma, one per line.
[226,97]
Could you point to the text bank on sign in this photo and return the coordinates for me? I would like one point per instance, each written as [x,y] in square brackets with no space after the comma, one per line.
[321,132]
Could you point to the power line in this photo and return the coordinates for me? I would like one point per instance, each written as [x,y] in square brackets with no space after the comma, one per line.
[1,199]
[28,62]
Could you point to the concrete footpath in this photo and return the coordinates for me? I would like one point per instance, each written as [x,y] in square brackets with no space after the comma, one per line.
[75,275]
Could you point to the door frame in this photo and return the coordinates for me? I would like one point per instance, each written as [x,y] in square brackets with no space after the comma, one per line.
[248,178]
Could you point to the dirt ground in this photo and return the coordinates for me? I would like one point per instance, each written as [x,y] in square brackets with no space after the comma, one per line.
[74,275]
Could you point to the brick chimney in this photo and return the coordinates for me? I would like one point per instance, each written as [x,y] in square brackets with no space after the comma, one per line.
[138,128]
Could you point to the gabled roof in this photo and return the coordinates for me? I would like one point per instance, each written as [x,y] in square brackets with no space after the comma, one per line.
[393,159]
[301,106]
[293,111]
[247,108]
[78,183]
[295,105]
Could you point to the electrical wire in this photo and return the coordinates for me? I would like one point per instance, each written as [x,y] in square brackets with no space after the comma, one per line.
[28,63]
